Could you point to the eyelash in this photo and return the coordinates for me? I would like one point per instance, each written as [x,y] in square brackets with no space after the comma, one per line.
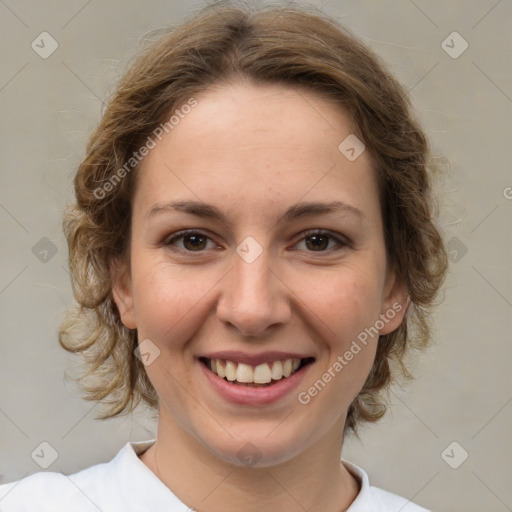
[312,232]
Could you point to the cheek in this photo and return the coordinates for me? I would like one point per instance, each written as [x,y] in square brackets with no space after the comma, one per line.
[170,307]
[344,301]
[347,305]
[349,358]
[167,303]
[349,308]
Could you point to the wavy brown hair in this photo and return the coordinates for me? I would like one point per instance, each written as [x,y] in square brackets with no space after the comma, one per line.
[292,45]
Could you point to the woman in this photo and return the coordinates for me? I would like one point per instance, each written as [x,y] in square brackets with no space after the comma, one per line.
[251,242]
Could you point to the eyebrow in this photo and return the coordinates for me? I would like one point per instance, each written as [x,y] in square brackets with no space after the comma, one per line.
[205,210]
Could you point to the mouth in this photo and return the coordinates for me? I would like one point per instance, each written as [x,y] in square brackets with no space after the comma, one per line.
[263,375]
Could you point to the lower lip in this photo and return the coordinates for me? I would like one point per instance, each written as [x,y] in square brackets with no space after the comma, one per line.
[244,395]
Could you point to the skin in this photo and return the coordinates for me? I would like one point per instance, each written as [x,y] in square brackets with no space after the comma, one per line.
[253,151]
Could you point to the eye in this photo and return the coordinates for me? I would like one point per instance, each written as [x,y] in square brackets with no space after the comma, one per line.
[193,241]
[318,241]
[196,241]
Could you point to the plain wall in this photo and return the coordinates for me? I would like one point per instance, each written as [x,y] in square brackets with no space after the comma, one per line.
[463,390]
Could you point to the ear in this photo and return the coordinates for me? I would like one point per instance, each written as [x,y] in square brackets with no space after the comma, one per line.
[395,302]
[122,290]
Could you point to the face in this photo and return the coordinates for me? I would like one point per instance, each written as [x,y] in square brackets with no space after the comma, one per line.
[257,246]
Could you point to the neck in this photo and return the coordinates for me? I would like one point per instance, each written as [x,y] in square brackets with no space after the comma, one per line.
[315,480]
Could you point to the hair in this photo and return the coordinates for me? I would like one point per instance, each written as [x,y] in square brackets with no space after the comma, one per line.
[225,42]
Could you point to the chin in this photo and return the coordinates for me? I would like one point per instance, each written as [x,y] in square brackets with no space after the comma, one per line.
[257,447]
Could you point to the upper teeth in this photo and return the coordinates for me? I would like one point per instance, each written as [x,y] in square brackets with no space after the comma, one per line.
[261,374]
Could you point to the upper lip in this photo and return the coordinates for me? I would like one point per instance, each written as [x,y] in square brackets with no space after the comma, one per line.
[254,359]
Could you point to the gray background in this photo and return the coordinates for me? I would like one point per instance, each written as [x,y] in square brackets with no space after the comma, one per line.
[463,391]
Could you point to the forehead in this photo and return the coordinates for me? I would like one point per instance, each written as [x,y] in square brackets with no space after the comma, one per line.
[259,146]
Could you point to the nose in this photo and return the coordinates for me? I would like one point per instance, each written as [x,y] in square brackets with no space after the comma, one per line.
[254,299]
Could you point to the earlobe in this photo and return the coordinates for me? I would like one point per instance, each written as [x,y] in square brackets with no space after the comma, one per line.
[122,292]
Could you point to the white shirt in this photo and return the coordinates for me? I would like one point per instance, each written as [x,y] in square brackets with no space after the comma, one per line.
[126,484]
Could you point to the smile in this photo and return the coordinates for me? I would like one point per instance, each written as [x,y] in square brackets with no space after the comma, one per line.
[261,375]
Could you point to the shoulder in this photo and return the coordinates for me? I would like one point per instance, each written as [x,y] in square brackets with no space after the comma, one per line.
[373,499]
[46,491]
[392,502]
[87,490]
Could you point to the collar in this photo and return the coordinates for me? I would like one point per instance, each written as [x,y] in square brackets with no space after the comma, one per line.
[128,462]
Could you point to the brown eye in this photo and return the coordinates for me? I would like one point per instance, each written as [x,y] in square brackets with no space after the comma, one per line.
[318,241]
[192,241]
